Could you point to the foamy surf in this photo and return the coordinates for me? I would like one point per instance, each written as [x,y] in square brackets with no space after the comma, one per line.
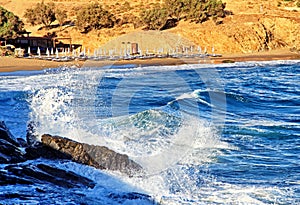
[174,118]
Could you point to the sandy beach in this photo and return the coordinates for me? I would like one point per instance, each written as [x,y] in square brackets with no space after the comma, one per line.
[10,64]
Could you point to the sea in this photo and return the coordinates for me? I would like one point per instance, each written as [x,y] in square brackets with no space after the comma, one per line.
[203,133]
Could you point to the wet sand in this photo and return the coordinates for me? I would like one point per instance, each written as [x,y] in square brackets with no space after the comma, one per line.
[10,64]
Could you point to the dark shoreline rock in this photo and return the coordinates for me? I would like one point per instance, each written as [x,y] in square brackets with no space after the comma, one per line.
[99,157]
[56,147]
[17,173]
[9,147]
[6,135]
[41,173]
[45,181]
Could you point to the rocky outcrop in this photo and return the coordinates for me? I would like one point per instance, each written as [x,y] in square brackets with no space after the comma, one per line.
[97,156]
[6,135]
[42,180]
[28,174]
[41,174]
[9,147]
[55,147]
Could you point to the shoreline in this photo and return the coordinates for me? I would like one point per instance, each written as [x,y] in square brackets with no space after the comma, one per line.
[12,64]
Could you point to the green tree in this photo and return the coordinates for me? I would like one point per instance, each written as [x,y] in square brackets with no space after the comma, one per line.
[61,16]
[41,14]
[201,10]
[173,11]
[94,16]
[175,8]
[10,25]
[155,18]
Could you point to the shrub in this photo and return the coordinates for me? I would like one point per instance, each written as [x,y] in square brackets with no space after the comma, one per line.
[174,10]
[94,16]
[130,19]
[200,11]
[10,25]
[60,16]
[41,14]
[154,18]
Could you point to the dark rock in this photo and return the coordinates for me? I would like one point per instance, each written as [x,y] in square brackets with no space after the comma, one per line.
[15,196]
[97,156]
[9,147]
[40,150]
[9,153]
[6,135]
[22,142]
[42,173]
[7,179]
[129,196]
[66,175]
[40,190]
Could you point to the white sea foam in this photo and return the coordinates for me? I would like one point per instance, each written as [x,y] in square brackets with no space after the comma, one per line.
[62,104]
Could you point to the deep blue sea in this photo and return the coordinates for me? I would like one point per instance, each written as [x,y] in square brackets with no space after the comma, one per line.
[205,133]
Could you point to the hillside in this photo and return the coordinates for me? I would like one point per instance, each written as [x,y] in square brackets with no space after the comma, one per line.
[255,25]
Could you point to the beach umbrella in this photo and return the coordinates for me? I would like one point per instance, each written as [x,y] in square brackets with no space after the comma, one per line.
[56,53]
[47,52]
[199,49]
[39,52]
[213,49]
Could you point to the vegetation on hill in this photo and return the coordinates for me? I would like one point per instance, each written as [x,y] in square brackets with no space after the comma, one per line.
[41,14]
[10,25]
[155,18]
[257,25]
[172,11]
[159,17]
[44,14]
[94,16]
[289,2]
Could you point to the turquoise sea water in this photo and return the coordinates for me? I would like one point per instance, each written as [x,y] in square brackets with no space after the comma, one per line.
[205,134]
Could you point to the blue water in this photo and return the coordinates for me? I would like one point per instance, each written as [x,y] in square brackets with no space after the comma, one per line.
[205,134]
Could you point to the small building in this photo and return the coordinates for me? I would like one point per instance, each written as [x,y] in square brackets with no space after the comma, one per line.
[134,48]
[34,43]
